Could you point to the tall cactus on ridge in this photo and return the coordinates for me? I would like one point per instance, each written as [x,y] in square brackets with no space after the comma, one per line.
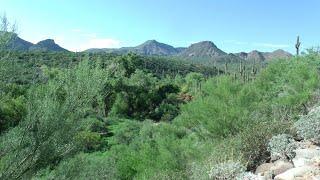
[298,45]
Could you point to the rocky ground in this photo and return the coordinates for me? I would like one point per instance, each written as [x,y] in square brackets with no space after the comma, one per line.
[304,166]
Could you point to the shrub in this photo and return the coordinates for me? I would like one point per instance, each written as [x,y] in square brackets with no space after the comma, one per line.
[308,127]
[83,167]
[210,153]
[219,113]
[12,111]
[282,147]
[227,170]
[247,176]
[254,141]
[49,130]
[154,149]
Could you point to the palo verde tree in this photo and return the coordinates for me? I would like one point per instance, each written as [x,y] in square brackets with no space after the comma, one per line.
[7,32]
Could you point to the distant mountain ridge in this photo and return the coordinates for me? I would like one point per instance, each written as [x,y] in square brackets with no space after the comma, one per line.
[150,47]
[18,44]
[202,50]
[264,56]
[47,45]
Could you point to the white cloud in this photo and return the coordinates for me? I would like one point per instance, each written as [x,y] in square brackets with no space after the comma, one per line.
[36,39]
[89,35]
[236,42]
[76,30]
[82,33]
[271,45]
[99,43]
[257,44]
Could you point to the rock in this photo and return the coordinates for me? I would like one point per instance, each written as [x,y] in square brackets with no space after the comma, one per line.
[269,170]
[306,145]
[294,173]
[316,178]
[250,176]
[299,162]
[316,161]
[280,166]
[312,176]
[307,153]
[264,168]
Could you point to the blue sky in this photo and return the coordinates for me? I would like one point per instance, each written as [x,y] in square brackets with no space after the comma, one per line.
[233,25]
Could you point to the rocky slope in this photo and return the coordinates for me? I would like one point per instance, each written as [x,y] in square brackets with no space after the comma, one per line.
[153,47]
[264,56]
[295,159]
[202,49]
[277,54]
[304,166]
[17,44]
[150,47]
[47,45]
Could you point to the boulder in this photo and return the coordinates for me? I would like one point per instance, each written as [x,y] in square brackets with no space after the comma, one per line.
[295,173]
[250,176]
[264,168]
[316,178]
[306,145]
[316,161]
[280,166]
[307,153]
[299,162]
[270,170]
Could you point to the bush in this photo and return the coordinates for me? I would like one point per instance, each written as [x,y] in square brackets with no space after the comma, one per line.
[254,141]
[227,170]
[308,127]
[282,147]
[217,114]
[83,167]
[211,153]
[12,111]
[154,149]
[49,130]
[247,176]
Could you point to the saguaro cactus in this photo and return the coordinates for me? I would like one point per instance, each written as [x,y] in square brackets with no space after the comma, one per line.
[298,45]
[254,70]
[226,68]
[241,68]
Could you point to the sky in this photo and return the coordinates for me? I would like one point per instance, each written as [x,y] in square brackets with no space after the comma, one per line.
[233,25]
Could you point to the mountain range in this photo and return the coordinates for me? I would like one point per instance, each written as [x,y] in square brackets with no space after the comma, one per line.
[201,50]
[18,44]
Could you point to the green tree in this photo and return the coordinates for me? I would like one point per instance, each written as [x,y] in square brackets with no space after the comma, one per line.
[57,112]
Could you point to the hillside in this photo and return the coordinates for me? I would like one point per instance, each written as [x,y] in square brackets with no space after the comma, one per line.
[205,52]
[17,44]
[159,90]
[150,47]
[47,45]
[153,47]
[277,54]
[106,114]
[264,56]
[201,50]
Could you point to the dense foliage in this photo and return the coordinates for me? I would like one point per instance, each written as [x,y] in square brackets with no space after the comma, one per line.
[104,116]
